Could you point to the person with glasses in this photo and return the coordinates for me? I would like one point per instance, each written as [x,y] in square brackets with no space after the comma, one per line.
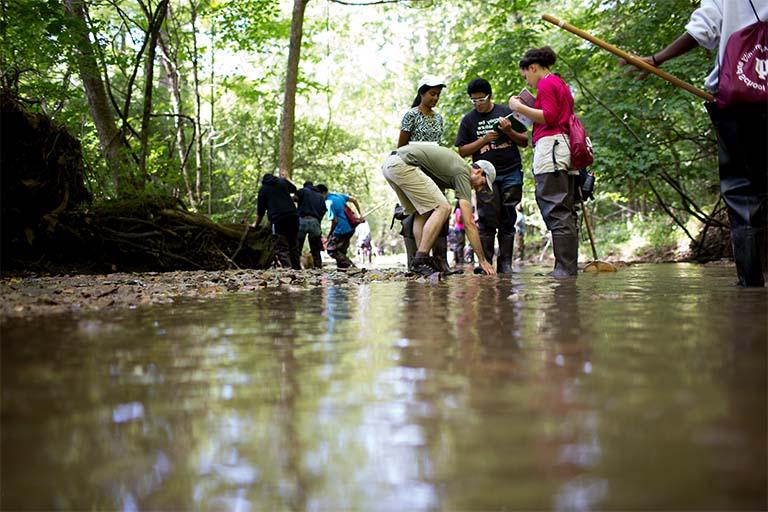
[417,173]
[423,125]
[485,133]
[556,186]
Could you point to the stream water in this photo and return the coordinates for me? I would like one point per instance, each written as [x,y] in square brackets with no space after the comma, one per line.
[644,389]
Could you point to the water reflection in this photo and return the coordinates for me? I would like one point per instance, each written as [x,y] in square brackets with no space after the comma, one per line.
[640,390]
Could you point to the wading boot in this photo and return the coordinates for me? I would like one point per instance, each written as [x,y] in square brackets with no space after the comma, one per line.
[506,248]
[486,241]
[440,257]
[566,249]
[762,249]
[746,254]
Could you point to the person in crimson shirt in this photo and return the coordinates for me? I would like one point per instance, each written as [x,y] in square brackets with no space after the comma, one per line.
[555,178]
[477,137]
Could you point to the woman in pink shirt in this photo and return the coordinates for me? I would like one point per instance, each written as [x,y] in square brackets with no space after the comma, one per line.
[555,179]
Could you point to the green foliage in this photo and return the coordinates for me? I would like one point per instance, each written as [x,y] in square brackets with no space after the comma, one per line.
[649,137]
[249,25]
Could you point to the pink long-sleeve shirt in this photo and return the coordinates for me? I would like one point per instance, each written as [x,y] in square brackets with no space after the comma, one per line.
[555,99]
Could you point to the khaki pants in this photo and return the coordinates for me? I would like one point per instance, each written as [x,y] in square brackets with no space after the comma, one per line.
[415,190]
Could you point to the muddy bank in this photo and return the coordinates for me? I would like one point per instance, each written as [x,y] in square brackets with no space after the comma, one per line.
[32,295]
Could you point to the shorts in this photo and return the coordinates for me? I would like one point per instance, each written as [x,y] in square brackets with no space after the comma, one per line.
[551,154]
[415,190]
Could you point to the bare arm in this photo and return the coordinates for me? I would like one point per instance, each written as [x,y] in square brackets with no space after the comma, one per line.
[357,205]
[470,230]
[403,139]
[333,227]
[678,47]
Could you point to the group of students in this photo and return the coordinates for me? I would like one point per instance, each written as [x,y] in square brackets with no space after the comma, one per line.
[296,215]
[419,170]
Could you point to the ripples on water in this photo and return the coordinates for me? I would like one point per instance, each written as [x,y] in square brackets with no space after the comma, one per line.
[644,389]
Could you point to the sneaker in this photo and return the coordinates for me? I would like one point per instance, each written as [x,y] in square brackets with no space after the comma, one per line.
[423,269]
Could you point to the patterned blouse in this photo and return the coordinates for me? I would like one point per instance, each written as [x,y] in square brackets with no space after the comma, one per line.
[422,128]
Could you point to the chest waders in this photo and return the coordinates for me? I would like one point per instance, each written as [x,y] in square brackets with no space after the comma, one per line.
[556,196]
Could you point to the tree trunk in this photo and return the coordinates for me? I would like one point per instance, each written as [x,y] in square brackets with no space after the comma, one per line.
[116,152]
[212,140]
[288,122]
[198,121]
[154,23]
[171,71]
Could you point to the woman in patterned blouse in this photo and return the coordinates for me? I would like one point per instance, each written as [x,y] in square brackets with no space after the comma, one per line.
[421,123]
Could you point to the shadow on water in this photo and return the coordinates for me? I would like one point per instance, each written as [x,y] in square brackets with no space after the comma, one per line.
[644,389]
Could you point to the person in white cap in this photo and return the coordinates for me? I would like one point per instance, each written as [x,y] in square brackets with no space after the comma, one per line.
[416,173]
[421,123]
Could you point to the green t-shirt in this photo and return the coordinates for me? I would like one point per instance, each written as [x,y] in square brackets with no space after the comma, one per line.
[444,166]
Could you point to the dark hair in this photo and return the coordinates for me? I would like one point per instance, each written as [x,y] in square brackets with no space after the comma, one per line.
[479,85]
[544,57]
[322,188]
[308,184]
[423,90]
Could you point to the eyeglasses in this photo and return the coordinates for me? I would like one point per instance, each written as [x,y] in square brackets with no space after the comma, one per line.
[475,101]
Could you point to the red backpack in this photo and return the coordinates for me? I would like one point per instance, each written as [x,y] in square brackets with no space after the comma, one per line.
[353,219]
[743,76]
[579,144]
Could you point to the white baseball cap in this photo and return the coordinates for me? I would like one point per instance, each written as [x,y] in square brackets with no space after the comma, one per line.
[489,170]
[432,81]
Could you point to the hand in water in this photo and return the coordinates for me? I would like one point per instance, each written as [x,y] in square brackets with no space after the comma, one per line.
[488,268]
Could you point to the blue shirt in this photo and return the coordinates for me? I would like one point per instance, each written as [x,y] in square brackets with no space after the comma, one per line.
[336,203]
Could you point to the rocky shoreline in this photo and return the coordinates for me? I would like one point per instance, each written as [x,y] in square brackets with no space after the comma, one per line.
[33,295]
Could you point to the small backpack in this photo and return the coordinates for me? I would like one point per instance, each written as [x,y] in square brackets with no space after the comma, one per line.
[743,76]
[579,144]
[353,219]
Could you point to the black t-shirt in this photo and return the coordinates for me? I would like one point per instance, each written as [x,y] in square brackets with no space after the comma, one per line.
[502,153]
[311,202]
[275,198]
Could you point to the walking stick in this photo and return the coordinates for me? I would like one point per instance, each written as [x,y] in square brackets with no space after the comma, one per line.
[594,265]
[632,59]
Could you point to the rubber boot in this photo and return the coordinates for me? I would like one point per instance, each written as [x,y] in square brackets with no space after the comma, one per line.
[486,241]
[506,248]
[749,261]
[410,249]
[440,253]
[566,249]
[762,248]
[440,257]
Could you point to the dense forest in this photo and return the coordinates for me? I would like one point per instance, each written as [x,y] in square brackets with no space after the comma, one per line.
[184,105]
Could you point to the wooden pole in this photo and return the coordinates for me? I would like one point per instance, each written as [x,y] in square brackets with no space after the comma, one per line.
[632,59]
